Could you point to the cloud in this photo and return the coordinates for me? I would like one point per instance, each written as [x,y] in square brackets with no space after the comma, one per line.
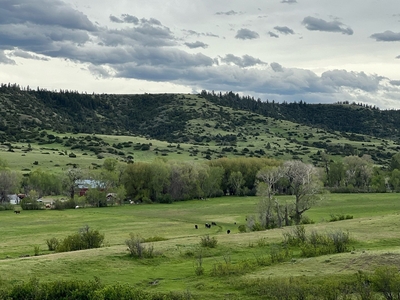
[27,55]
[5,60]
[312,23]
[114,19]
[130,19]
[284,29]
[274,35]
[227,13]
[276,67]
[44,12]
[39,38]
[289,1]
[148,50]
[151,21]
[126,18]
[192,32]
[244,61]
[395,82]
[196,44]
[398,56]
[145,34]
[387,36]
[246,34]
[355,80]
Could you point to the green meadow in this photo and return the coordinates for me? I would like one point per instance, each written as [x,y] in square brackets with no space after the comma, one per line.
[373,229]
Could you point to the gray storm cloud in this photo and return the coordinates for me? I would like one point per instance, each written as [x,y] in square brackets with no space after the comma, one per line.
[196,44]
[144,48]
[316,24]
[244,61]
[284,29]
[387,36]
[246,34]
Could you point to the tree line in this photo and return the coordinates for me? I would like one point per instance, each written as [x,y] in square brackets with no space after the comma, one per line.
[162,181]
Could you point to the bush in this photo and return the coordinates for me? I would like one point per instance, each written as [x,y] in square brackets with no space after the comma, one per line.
[279,254]
[52,243]
[296,237]
[317,244]
[36,250]
[6,206]
[206,241]
[137,249]
[386,280]
[242,228]
[86,238]
[154,239]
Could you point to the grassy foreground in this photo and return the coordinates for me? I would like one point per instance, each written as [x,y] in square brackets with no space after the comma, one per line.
[373,230]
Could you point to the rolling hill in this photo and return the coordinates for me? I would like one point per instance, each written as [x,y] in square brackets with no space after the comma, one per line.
[190,127]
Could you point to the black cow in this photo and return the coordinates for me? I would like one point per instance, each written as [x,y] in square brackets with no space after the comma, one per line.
[195,226]
[17,211]
[207,225]
[228,231]
[213,223]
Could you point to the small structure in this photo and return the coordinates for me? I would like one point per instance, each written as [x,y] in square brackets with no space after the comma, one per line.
[14,199]
[86,184]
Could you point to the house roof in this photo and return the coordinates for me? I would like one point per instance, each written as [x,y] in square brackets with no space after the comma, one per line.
[89,184]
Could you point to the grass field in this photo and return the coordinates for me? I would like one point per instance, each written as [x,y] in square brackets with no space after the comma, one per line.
[373,230]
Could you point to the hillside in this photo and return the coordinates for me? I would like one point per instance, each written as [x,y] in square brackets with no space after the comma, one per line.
[203,126]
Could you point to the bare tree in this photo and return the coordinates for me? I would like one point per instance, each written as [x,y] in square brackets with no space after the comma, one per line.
[236,182]
[9,183]
[304,184]
[71,180]
[269,210]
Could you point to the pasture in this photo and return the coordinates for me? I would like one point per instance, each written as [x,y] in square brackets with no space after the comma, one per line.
[373,230]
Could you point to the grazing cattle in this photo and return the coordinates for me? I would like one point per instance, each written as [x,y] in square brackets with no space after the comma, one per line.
[48,206]
[207,225]
[195,226]
[76,207]
[17,211]
[213,223]
[228,231]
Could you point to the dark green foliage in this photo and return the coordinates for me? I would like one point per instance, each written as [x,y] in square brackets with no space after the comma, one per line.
[136,247]
[339,217]
[209,242]
[242,228]
[83,290]
[6,206]
[86,238]
[30,204]
[52,243]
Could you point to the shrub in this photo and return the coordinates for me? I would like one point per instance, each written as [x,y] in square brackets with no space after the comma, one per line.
[136,247]
[206,241]
[296,237]
[242,228]
[36,250]
[86,238]
[340,241]
[6,206]
[52,243]
[257,227]
[58,205]
[386,280]
[279,254]
[154,239]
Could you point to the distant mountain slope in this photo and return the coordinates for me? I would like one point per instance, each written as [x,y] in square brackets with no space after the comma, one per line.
[222,124]
[352,118]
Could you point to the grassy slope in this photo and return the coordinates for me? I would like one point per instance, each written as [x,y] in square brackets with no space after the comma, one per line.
[373,229]
[256,133]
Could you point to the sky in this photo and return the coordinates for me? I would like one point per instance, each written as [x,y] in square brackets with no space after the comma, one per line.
[317,51]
